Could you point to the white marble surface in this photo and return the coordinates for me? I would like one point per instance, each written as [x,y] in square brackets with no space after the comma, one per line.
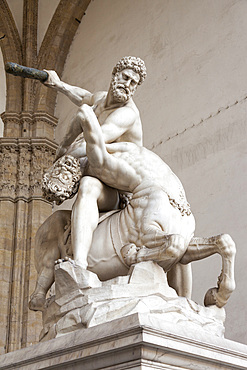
[157,224]
[139,341]
[82,301]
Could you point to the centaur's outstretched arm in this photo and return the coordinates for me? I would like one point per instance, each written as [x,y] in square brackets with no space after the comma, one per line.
[95,144]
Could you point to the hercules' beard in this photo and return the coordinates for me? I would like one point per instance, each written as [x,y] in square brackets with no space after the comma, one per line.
[120,92]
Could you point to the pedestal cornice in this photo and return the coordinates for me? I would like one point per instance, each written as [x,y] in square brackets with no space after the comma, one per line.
[138,341]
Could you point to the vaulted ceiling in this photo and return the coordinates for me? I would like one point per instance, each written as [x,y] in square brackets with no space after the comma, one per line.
[28,95]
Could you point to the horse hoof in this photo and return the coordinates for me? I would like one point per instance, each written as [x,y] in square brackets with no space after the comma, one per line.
[210,297]
[37,302]
[129,253]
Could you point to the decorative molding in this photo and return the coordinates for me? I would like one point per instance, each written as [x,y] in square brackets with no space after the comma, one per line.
[45,117]
[23,162]
[30,117]
[24,124]
[133,342]
[23,199]
[11,117]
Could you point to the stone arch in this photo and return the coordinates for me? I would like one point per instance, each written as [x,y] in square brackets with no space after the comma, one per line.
[12,51]
[55,47]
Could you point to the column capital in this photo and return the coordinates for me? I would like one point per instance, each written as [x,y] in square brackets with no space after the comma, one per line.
[22,164]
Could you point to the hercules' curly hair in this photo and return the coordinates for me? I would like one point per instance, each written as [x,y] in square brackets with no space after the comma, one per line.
[137,64]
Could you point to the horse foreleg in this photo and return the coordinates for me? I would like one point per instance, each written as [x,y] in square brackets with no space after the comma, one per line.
[180,279]
[50,244]
[200,248]
[44,282]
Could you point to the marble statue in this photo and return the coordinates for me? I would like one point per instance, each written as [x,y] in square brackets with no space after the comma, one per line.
[120,122]
[157,224]
[146,230]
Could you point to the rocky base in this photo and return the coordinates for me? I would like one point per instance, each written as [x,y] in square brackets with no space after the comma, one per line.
[81,301]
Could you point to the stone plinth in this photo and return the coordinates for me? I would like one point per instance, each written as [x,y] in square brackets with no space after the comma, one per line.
[138,341]
[82,301]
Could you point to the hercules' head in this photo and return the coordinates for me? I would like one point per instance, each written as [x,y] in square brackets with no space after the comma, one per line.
[127,74]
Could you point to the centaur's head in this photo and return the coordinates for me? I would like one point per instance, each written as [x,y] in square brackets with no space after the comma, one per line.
[61,181]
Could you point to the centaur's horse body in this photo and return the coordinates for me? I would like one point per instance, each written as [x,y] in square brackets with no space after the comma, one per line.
[105,258]
[157,224]
[110,237]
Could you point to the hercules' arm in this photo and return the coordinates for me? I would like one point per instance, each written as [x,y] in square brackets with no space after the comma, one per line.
[76,94]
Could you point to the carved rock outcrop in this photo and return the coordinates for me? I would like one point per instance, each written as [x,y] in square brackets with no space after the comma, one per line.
[82,301]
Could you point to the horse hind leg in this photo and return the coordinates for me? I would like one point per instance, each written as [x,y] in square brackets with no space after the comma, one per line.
[200,248]
[161,248]
[226,283]
[166,250]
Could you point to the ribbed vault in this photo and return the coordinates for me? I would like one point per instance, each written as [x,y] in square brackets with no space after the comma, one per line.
[30,95]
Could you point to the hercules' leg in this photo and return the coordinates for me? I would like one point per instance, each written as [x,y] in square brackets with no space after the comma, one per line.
[92,196]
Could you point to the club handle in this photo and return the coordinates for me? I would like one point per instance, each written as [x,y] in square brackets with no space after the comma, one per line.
[22,71]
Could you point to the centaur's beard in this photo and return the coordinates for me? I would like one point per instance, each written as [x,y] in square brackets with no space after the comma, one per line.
[120,92]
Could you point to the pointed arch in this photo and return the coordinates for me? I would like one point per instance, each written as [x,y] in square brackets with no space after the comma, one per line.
[12,52]
[29,47]
[55,46]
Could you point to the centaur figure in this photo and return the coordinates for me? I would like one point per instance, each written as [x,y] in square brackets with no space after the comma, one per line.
[157,224]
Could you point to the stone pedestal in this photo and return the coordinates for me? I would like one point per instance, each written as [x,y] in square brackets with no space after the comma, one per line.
[138,341]
[82,301]
[130,322]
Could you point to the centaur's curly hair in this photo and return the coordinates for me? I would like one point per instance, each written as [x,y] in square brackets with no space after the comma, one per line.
[56,184]
[137,64]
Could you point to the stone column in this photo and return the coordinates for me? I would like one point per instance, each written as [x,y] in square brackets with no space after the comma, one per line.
[26,150]
[22,210]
